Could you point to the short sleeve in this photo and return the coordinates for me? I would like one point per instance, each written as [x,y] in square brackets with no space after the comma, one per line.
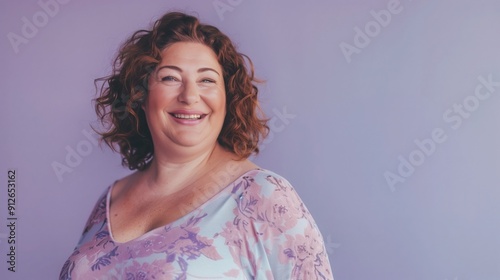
[289,243]
[96,218]
[94,222]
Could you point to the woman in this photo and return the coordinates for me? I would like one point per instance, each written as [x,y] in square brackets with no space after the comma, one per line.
[182,109]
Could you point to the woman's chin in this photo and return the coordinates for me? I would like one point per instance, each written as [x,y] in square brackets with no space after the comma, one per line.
[191,140]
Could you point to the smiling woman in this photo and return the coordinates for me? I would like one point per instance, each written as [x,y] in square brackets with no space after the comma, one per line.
[186,105]
[196,207]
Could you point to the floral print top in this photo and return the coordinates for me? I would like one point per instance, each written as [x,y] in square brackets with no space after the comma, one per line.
[255,228]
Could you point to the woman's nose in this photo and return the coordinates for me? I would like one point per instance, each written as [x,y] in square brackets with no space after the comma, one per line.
[189,93]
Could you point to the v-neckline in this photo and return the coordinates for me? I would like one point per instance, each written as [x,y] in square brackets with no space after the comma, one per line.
[202,205]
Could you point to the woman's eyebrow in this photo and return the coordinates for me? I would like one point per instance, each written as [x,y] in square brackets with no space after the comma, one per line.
[207,69]
[203,69]
[170,67]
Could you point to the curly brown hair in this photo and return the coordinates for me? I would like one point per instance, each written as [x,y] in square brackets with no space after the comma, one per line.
[123,92]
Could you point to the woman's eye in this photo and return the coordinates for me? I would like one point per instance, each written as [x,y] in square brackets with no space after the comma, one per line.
[207,81]
[168,79]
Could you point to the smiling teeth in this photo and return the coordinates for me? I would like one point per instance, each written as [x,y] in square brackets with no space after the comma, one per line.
[182,116]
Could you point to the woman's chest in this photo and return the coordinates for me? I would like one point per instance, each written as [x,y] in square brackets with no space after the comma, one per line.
[193,249]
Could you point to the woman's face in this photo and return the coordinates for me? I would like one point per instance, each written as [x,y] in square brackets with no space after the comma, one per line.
[186,104]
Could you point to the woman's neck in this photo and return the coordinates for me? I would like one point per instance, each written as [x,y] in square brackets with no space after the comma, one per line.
[166,175]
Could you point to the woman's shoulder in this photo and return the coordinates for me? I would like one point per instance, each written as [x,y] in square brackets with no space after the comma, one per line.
[118,185]
[259,171]
[98,214]
[267,182]
[273,218]
[99,210]
[266,190]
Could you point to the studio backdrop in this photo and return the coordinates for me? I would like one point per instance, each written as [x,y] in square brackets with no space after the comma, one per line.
[384,116]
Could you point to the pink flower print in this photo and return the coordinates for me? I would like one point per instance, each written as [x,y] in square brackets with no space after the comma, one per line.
[231,235]
[176,232]
[105,260]
[277,213]
[154,270]
[102,239]
[283,214]
[278,183]
[209,251]
[307,253]
[158,242]
[248,204]
[282,186]
[141,249]
[95,250]
[240,243]
[233,273]
[185,243]
[233,240]
[98,214]
[188,246]
[148,244]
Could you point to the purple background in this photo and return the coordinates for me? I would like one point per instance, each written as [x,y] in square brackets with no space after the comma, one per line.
[348,123]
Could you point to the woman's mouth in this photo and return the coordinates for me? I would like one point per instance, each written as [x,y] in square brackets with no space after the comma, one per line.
[188,116]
